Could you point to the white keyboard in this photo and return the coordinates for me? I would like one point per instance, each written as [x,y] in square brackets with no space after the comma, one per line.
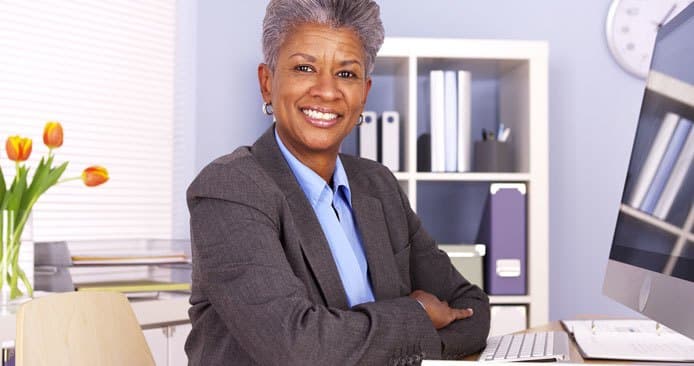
[539,346]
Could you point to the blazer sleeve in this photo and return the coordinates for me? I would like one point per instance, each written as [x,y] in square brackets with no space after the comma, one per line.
[242,271]
[432,271]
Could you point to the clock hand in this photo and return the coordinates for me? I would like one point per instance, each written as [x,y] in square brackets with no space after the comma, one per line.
[667,15]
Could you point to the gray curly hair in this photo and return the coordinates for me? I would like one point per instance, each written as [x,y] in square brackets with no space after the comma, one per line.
[362,16]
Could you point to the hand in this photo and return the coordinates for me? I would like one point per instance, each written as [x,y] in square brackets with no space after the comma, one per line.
[440,314]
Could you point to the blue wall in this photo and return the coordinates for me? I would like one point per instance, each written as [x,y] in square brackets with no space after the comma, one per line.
[593,107]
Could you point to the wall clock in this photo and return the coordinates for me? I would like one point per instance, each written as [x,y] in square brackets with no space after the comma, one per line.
[631,29]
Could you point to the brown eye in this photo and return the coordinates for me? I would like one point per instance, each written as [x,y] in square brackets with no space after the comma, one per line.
[346,74]
[304,68]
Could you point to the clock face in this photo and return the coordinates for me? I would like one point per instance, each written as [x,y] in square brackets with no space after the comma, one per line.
[631,29]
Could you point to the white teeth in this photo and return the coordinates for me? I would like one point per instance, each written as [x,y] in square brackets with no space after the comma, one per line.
[319,115]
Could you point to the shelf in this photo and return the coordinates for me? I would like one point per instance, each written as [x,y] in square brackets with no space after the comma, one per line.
[402,175]
[473,177]
[670,87]
[499,300]
[464,177]
[665,226]
[477,49]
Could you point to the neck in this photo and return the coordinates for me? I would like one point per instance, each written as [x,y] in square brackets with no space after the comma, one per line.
[323,165]
[321,162]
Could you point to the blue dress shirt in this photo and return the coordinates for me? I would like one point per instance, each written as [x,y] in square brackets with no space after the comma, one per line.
[333,207]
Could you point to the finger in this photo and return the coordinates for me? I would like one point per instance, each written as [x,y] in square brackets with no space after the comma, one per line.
[463,313]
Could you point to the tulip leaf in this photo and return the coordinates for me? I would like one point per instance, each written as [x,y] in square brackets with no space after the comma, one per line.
[3,189]
[44,178]
[25,280]
[55,174]
[17,191]
[35,188]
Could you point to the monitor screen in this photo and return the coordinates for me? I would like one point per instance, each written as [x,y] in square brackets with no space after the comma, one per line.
[651,265]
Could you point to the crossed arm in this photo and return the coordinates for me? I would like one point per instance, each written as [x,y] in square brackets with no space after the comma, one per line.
[242,270]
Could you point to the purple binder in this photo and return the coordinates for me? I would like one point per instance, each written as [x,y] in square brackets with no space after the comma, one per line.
[503,230]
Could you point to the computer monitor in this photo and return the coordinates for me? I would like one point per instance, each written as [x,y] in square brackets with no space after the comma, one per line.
[651,264]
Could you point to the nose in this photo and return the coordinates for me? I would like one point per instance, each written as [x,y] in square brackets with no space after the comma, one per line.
[325,87]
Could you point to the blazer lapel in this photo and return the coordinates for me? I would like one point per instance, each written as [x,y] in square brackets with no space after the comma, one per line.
[371,221]
[376,241]
[313,242]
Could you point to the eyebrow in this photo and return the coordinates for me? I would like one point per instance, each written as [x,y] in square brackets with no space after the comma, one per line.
[350,62]
[310,58]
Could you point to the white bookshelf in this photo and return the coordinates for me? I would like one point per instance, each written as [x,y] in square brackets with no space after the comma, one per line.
[518,74]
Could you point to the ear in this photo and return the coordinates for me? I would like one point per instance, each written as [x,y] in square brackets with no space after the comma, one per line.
[367,88]
[265,82]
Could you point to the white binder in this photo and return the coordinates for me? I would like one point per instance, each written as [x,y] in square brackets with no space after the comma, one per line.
[437,108]
[368,136]
[390,140]
[450,120]
[464,122]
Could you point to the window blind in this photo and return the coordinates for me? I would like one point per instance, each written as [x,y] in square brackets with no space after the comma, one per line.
[106,71]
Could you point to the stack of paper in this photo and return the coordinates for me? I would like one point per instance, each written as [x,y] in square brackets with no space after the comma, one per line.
[133,286]
[148,258]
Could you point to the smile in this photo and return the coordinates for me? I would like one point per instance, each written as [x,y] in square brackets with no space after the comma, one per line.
[323,116]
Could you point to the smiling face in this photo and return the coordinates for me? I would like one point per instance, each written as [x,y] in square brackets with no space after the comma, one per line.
[317,90]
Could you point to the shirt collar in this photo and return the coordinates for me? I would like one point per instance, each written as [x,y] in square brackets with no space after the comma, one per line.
[341,182]
[310,182]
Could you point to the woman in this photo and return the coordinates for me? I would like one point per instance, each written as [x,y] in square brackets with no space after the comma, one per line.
[304,256]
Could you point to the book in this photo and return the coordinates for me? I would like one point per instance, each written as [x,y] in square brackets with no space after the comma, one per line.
[676,179]
[437,108]
[133,286]
[655,155]
[667,163]
[464,121]
[610,325]
[635,340]
[450,101]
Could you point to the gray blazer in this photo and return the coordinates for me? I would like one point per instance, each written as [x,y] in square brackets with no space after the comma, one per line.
[266,290]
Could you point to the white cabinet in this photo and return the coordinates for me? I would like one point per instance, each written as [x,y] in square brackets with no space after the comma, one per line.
[509,85]
[157,340]
[177,340]
[167,344]
[507,319]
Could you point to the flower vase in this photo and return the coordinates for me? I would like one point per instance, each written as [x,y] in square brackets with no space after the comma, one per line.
[16,259]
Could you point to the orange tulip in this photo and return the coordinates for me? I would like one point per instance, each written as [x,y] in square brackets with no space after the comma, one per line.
[18,148]
[94,176]
[53,135]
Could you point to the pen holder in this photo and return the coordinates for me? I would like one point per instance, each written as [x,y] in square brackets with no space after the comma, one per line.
[492,156]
